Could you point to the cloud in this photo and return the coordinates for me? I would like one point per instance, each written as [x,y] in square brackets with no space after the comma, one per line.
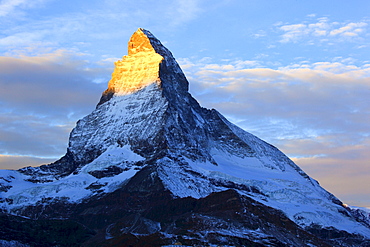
[41,98]
[304,93]
[351,29]
[8,7]
[184,11]
[22,39]
[316,113]
[31,134]
[293,32]
[341,168]
[94,27]
[44,82]
[322,28]
[15,162]
[259,34]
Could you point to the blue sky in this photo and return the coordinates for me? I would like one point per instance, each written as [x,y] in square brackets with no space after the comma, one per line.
[294,73]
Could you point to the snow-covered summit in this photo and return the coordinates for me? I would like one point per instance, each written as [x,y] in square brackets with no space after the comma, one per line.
[148,137]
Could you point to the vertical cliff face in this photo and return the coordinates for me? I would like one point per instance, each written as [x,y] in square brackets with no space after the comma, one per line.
[150,146]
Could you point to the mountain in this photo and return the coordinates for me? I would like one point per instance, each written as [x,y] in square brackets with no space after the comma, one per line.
[151,167]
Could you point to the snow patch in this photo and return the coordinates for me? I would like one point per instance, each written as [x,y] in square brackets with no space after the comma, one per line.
[113,156]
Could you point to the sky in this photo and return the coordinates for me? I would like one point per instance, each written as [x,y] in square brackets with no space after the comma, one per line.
[294,73]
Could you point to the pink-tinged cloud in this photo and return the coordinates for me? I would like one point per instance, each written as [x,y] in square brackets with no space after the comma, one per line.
[14,162]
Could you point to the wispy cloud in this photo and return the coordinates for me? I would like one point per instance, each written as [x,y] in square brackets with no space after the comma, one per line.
[322,28]
[14,7]
[259,34]
[351,29]
[92,26]
[7,6]
[184,11]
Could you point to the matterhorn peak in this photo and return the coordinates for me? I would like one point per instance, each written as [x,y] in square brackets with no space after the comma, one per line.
[150,167]
[142,66]
[140,42]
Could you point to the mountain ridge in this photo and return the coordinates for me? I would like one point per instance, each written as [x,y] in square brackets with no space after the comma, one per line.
[148,145]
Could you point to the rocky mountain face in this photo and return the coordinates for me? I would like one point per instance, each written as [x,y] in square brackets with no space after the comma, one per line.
[151,167]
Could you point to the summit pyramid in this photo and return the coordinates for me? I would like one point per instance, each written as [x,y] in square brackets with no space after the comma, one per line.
[151,167]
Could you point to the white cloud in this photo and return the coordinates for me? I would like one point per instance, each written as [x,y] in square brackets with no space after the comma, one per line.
[259,34]
[23,39]
[293,32]
[323,28]
[98,28]
[351,29]
[8,7]
[185,10]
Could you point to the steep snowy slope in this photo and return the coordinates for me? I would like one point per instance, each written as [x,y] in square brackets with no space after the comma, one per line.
[149,135]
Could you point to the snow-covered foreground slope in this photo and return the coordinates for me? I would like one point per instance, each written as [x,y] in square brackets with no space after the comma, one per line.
[17,191]
[149,144]
[267,176]
[300,197]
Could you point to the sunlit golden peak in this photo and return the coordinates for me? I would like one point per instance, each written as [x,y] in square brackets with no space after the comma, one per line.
[139,42]
[138,69]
